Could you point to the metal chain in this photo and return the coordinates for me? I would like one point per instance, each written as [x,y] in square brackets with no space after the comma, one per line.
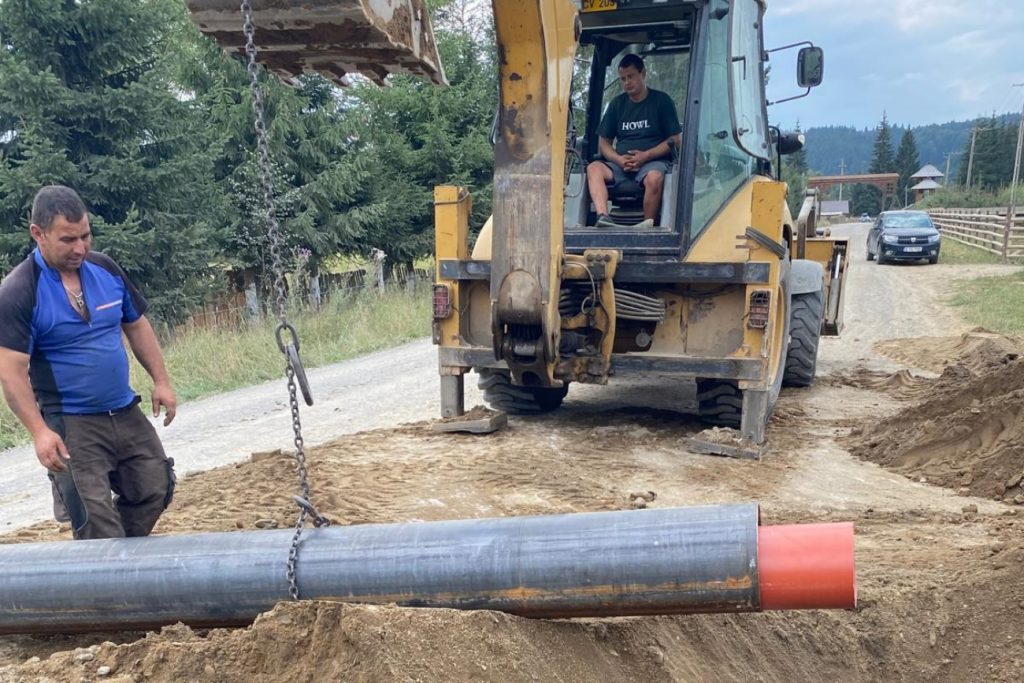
[306,507]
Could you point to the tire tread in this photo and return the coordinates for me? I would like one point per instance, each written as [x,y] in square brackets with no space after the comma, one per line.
[805,333]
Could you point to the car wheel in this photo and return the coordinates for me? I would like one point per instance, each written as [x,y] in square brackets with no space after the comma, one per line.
[933,259]
[881,259]
[871,256]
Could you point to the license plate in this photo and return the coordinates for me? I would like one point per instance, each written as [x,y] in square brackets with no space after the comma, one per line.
[912,250]
[599,5]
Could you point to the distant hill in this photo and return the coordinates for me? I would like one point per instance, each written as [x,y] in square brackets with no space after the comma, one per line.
[827,145]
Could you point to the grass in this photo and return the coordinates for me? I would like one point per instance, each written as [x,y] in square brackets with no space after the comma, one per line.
[957,253]
[209,361]
[995,303]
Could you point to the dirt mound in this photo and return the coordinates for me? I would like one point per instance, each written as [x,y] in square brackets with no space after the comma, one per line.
[977,350]
[334,642]
[965,430]
[902,384]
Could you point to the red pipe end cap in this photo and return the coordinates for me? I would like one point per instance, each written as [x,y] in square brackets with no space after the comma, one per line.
[807,566]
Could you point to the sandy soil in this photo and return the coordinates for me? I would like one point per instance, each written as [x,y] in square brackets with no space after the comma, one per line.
[939,560]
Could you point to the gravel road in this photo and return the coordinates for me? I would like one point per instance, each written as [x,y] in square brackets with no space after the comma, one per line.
[381,389]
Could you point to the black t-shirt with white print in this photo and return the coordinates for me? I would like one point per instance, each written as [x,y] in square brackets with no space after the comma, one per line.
[639,125]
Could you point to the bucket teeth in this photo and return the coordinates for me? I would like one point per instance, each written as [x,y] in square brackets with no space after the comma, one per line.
[333,37]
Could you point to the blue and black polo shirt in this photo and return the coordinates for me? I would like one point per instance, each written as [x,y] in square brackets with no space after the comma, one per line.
[77,366]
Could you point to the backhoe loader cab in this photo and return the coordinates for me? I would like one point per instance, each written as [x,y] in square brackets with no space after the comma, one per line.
[727,289]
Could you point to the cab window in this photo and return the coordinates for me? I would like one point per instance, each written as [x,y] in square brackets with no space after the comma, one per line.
[721,165]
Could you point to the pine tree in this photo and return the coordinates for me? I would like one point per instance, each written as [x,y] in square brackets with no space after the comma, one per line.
[882,159]
[994,146]
[906,164]
[868,198]
[325,194]
[430,136]
[85,101]
[988,155]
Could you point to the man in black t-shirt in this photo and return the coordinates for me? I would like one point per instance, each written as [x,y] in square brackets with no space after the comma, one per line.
[644,127]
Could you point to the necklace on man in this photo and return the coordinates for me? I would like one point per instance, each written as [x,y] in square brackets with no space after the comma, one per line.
[78,298]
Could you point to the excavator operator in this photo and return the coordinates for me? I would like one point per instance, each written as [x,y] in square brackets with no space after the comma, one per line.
[644,126]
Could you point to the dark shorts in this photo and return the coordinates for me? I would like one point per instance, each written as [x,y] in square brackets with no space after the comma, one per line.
[619,175]
[119,481]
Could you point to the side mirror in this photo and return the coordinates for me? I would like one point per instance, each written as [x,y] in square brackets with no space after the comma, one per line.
[810,67]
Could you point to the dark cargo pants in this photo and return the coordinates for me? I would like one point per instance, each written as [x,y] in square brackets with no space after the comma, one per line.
[119,481]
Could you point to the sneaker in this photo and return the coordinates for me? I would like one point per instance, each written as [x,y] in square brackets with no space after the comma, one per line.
[605,221]
[646,224]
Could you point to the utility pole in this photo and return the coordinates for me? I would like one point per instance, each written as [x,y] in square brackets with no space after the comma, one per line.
[842,172]
[1012,210]
[949,155]
[970,157]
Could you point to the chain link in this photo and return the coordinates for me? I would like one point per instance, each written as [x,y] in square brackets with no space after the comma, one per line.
[306,508]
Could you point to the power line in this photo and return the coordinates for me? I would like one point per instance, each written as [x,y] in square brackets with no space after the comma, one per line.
[1006,98]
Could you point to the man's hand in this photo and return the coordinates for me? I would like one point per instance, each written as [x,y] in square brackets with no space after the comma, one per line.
[634,159]
[163,395]
[50,450]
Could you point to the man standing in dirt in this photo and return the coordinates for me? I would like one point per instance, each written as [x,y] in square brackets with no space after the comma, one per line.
[64,372]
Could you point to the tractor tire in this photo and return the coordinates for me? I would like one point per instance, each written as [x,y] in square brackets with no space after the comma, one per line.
[719,402]
[804,335]
[501,394]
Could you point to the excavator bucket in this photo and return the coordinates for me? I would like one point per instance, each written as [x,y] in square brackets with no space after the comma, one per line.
[334,37]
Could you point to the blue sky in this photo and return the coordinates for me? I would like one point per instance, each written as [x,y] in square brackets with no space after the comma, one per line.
[921,61]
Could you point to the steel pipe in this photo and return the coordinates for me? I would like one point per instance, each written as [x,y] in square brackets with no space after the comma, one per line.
[662,561]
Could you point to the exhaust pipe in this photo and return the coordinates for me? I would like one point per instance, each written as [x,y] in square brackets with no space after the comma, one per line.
[643,562]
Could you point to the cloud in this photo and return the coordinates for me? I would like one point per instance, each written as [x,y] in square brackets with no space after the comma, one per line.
[975,45]
[967,90]
[908,16]
[921,61]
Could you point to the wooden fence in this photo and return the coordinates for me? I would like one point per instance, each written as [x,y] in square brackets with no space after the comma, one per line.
[989,229]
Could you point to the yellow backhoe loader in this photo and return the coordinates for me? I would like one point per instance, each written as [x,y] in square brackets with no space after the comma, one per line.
[727,289]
